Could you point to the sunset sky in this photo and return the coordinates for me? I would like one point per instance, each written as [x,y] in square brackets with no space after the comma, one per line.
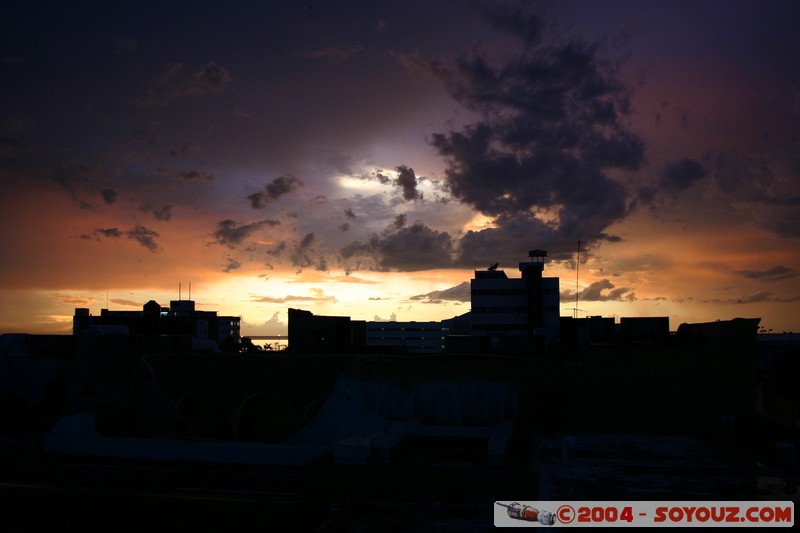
[362,158]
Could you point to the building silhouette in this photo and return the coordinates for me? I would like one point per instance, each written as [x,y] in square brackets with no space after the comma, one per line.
[415,337]
[177,328]
[507,315]
[314,333]
[516,314]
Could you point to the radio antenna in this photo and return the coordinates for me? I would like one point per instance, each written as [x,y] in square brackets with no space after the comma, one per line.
[577,272]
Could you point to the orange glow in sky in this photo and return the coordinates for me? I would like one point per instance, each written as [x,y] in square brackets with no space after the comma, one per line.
[349,166]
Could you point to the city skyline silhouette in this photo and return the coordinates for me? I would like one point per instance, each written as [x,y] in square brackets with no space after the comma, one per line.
[365,158]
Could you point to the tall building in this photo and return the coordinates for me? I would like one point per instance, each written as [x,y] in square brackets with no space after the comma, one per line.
[516,313]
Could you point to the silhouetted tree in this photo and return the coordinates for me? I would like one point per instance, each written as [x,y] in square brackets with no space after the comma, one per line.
[230,345]
[247,346]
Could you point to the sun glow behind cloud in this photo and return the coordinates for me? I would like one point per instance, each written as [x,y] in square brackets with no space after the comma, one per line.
[479,222]
[359,184]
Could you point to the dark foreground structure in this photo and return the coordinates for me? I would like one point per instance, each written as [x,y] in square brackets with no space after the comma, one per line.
[336,442]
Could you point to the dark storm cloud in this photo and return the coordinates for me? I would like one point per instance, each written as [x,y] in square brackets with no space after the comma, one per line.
[513,237]
[349,213]
[144,236]
[415,247]
[738,177]
[159,213]
[777,273]
[754,298]
[682,174]
[107,232]
[175,83]
[407,181]
[109,195]
[230,233]
[278,249]
[647,194]
[307,240]
[231,265]
[344,226]
[459,293]
[274,190]
[382,178]
[304,254]
[76,179]
[186,175]
[553,124]
[356,251]
[399,222]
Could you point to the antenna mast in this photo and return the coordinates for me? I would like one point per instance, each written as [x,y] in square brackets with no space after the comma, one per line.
[577,272]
